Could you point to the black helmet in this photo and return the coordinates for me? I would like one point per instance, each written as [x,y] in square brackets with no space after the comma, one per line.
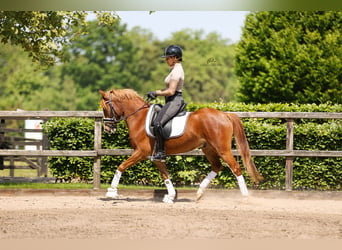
[173,50]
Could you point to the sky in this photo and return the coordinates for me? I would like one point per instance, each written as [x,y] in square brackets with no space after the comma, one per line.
[163,23]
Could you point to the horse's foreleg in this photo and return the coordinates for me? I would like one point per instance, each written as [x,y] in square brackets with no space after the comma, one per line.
[112,191]
[242,185]
[171,192]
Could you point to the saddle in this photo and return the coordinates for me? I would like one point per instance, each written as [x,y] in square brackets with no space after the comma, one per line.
[173,128]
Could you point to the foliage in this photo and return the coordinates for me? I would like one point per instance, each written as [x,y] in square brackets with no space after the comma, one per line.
[102,58]
[23,86]
[282,57]
[43,33]
[40,36]
[71,134]
[309,173]
[291,56]
[113,57]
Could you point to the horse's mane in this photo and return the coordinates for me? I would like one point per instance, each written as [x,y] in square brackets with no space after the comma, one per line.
[125,94]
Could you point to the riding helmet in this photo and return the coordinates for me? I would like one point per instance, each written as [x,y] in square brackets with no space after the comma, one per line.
[173,50]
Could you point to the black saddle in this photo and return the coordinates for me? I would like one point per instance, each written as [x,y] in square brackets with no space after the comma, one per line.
[166,132]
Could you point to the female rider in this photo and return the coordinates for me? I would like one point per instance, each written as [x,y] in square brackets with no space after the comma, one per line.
[173,97]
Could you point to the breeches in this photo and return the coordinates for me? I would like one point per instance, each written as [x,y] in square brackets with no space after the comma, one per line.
[169,110]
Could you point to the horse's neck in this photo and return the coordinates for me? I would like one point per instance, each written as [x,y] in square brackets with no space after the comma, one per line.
[136,122]
[135,113]
[129,107]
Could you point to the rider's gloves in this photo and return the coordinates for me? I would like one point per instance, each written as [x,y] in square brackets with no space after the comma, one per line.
[152,95]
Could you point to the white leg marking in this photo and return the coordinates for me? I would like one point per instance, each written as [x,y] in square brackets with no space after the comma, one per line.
[204,184]
[242,185]
[171,192]
[116,179]
[112,192]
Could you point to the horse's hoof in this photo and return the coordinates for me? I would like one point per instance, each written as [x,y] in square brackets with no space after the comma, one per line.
[112,193]
[199,194]
[168,199]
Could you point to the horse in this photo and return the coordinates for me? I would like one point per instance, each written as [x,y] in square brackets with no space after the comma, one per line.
[209,129]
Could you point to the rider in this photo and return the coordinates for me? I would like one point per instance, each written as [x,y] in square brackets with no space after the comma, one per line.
[173,97]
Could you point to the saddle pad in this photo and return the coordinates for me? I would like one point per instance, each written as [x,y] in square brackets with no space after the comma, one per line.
[178,124]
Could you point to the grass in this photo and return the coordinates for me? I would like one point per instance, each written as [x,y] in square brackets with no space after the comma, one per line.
[46,186]
[33,173]
[19,173]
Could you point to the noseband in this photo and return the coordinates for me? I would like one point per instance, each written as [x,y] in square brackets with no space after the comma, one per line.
[113,120]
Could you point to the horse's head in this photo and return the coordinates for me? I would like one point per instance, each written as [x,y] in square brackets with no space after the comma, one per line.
[112,116]
[118,105]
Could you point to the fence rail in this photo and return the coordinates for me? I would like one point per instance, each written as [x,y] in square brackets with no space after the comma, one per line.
[197,152]
[289,153]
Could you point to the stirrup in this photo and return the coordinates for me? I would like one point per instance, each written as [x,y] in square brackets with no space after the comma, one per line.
[159,156]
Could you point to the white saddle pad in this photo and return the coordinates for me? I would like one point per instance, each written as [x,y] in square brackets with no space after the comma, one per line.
[178,124]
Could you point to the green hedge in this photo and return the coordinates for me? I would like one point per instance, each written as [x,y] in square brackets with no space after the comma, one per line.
[309,134]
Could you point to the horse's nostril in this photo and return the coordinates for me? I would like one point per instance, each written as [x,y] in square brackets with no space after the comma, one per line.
[109,130]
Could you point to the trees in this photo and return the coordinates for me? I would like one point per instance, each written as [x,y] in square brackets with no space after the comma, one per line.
[25,87]
[18,79]
[86,56]
[291,57]
[43,33]
[209,67]
[113,57]
[102,58]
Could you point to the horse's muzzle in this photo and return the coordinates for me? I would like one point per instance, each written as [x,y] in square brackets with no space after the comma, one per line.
[109,130]
[109,125]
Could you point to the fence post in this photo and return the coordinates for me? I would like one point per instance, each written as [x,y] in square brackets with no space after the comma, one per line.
[45,146]
[2,142]
[289,159]
[97,159]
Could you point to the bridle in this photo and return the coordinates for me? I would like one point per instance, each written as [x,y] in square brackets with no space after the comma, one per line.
[115,118]
[112,121]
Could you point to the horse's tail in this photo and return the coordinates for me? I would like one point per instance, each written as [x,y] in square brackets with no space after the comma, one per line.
[243,147]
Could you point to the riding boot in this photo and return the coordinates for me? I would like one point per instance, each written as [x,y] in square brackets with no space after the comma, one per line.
[160,150]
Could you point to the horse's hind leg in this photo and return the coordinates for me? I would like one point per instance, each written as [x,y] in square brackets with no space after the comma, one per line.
[228,157]
[216,167]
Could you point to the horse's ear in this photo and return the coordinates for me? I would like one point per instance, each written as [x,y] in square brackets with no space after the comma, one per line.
[102,93]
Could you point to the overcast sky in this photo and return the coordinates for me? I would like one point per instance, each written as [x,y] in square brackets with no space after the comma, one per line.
[162,23]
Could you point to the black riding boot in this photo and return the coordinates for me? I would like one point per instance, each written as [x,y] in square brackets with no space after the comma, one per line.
[160,154]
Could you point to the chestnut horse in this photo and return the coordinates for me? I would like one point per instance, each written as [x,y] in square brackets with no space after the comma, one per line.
[208,129]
